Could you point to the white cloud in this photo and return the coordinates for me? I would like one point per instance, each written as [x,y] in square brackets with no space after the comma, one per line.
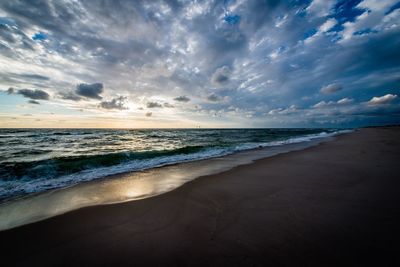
[331,88]
[196,9]
[373,19]
[328,25]
[345,101]
[381,100]
[321,8]
[281,21]
[376,5]
[323,104]
[283,111]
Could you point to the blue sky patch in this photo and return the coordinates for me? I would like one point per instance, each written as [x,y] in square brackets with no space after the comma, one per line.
[309,33]
[393,8]
[7,21]
[345,10]
[39,36]
[232,19]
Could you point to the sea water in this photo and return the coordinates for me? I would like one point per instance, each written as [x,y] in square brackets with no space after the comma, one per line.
[37,160]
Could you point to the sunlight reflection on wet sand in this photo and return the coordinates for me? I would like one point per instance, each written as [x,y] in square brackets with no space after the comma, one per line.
[127,187]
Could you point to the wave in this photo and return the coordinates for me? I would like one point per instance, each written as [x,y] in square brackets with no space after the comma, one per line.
[19,178]
[62,133]
[67,165]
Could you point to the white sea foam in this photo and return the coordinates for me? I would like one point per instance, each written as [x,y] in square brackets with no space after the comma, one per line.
[27,186]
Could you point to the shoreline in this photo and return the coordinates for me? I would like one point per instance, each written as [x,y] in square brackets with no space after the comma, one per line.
[331,204]
[46,184]
[88,194]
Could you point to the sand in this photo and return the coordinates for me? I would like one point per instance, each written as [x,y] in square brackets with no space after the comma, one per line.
[334,204]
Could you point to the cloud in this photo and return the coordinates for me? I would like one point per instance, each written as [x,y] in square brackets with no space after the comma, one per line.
[70,96]
[34,102]
[321,8]
[115,103]
[168,105]
[182,98]
[283,111]
[323,104]
[259,54]
[213,98]
[34,76]
[315,35]
[373,19]
[90,90]
[153,105]
[327,25]
[331,88]
[221,76]
[382,100]
[148,114]
[345,101]
[33,94]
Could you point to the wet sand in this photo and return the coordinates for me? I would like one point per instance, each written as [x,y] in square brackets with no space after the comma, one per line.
[334,204]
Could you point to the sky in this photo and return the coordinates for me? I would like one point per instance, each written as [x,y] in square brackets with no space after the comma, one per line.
[157,64]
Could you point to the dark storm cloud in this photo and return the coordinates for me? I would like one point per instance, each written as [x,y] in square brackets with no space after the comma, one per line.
[115,103]
[90,90]
[182,98]
[34,102]
[213,98]
[34,94]
[221,75]
[153,105]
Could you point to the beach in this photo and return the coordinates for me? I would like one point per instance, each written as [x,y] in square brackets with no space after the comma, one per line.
[332,204]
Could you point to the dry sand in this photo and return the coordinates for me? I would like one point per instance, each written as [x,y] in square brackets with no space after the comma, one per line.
[334,204]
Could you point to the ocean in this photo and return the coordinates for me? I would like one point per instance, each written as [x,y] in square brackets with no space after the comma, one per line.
[37,160]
